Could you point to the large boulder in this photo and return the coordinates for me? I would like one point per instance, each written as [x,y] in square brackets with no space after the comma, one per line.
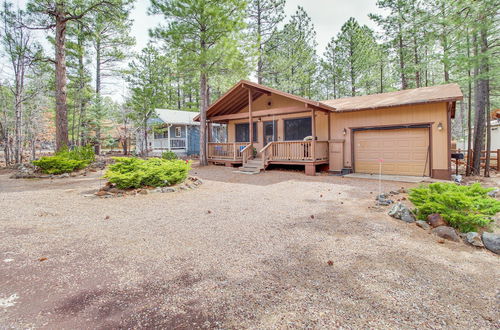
[492,242]
[402,212]
[436,220]
[474,238]
[446,233]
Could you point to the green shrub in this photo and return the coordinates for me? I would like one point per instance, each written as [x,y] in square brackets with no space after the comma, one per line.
[466,208]
[66,161]
[169,155]
[135,173]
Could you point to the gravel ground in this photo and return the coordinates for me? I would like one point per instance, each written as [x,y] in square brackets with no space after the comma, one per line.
[274,250]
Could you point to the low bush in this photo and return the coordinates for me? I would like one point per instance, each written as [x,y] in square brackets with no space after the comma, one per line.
[128,173]
[66,161]
[466,208]
[169,155]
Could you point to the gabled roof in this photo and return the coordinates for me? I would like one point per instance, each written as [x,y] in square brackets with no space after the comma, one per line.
[237,98]
[176,117]
[440,93]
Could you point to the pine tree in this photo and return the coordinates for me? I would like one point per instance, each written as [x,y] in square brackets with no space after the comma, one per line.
[206,34]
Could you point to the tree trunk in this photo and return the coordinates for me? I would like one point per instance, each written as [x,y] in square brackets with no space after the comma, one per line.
[203,118]
[60,67]
[469,112]
[404,83]
[259,41]
[98,96]
[486,94]
[18,140]
[479,102]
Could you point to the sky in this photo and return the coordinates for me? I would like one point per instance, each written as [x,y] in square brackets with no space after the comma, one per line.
[327,17]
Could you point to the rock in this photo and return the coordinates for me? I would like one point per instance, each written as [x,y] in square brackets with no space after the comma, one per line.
[446,233]
[424,225]
[64,175]
[402,212]
[402,190]
[168,190]
[492,242]
[493,193]
[116,191]
[392,192]
[101,193]
[474,238]
[143,191]
[157,190]
[436,220]
[381,197]
[384,202]
[456,178]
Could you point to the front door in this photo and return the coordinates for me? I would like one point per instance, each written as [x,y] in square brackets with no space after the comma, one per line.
[270,131]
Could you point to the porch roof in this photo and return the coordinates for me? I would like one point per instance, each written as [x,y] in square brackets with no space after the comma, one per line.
[237,98]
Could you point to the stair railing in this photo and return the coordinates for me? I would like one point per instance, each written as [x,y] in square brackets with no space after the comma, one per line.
[266,153]
[247,153]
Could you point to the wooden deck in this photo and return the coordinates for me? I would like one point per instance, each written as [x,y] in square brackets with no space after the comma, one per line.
[307,153]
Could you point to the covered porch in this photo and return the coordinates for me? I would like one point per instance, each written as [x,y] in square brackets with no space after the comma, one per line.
[266,126]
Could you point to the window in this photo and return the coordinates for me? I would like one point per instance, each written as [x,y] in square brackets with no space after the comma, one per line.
[178,131]
[161,134]
[297,129]
[242,134]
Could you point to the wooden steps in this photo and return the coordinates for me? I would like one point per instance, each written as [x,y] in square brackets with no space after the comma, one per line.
[252,166]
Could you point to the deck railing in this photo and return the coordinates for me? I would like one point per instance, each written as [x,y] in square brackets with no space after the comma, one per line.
[226,150]
[295,151]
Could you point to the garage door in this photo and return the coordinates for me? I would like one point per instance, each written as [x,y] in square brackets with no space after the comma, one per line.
[403,151]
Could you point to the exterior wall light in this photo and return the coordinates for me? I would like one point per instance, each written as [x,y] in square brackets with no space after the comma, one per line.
[440,127]
[344,131]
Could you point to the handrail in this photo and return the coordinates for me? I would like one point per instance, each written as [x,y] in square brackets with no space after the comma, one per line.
[264,154]
[244,153]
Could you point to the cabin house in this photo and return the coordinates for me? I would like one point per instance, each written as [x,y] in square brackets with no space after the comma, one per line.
[407,132]
[173,130]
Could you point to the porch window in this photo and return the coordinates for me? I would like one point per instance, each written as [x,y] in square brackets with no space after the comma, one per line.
[162,134]
[242,133]
[297,128]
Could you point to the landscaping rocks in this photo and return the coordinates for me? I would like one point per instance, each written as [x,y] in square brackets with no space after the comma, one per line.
[383,200]
[109,189]
[474,238]
[402,212]
[493,193]
[422,224]
[492,242]
[446,233]
[436,220]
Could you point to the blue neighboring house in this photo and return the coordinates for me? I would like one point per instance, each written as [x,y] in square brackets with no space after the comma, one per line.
[174,130]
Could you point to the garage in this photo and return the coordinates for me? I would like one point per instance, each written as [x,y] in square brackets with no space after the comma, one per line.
[402,150]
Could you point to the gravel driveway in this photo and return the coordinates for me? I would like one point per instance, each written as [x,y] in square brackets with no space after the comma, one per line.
[274,250]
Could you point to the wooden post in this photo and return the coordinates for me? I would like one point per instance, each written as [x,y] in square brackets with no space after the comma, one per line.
[313,128]
[498,159]
[250,119]
[234,150]
[209,132]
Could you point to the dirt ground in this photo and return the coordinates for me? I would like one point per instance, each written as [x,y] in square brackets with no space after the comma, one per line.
[275,250]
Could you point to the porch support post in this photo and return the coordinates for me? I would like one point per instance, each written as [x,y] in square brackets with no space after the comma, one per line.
[250,119]
[313,128]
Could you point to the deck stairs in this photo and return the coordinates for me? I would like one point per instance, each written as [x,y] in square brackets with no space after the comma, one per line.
[252,166]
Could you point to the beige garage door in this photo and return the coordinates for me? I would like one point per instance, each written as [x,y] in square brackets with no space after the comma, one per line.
[403,151]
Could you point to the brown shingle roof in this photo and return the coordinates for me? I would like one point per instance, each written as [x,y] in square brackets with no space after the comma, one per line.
[440,93]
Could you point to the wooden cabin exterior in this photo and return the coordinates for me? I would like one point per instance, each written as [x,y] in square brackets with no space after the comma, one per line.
[408,131]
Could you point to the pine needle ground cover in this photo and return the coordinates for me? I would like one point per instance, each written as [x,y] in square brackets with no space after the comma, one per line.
[127,173]
[466,208]
[66,161]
